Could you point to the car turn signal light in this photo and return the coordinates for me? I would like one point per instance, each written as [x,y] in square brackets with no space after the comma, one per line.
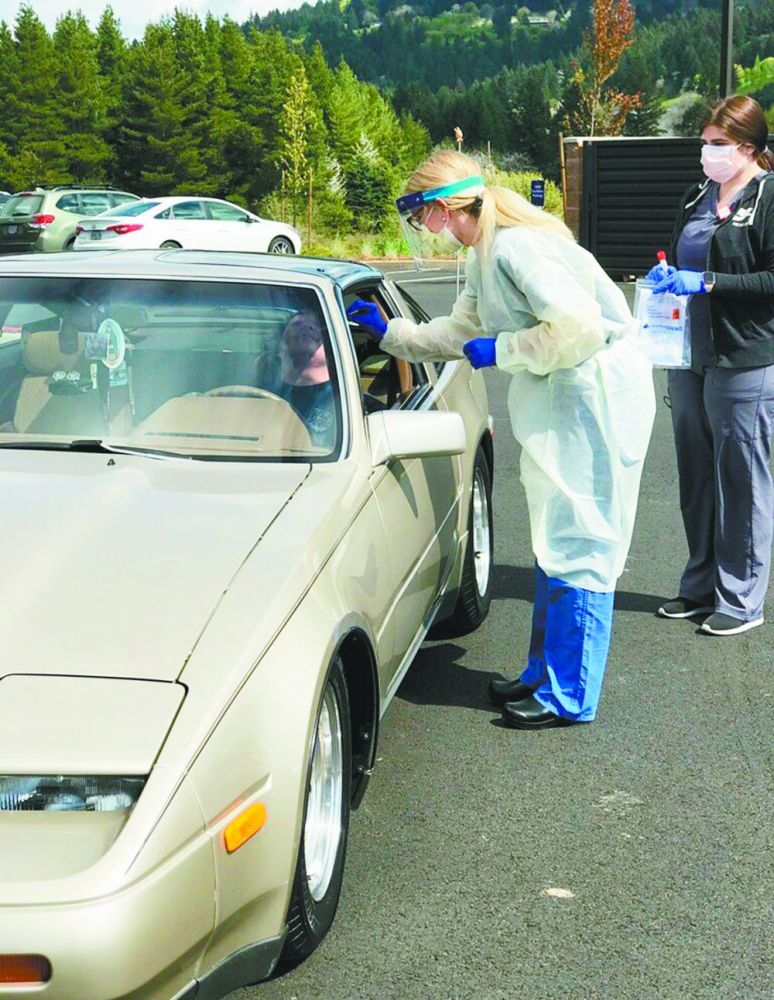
[245,826]
[24,970]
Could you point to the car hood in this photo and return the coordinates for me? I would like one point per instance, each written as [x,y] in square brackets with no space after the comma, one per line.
[113,566]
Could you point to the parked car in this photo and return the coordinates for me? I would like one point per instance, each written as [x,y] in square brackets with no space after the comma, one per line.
[189,223]
[229,522]
[46,218]
[4,196]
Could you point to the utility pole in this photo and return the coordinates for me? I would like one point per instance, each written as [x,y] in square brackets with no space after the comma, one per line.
[727,49]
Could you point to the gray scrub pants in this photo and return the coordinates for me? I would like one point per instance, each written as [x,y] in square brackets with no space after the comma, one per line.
[723,422]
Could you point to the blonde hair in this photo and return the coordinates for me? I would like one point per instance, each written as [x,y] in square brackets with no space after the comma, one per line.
[496,207]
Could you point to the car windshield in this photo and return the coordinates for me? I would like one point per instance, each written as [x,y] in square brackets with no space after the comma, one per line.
[201,369]
[20,205]
[133,208]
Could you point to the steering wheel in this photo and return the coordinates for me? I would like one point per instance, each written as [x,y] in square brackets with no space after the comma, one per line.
[244,392]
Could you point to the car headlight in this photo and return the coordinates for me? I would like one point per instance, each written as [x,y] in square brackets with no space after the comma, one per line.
[67,793]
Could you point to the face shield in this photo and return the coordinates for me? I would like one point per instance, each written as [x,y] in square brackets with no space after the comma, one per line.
[428,248]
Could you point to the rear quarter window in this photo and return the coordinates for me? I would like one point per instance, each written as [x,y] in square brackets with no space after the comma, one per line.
[23,204]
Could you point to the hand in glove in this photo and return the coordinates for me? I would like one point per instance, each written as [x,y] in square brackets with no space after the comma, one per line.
[657,273]
[480,352]
[682,283]
[367,315]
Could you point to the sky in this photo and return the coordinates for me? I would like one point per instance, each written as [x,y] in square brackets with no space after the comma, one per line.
[134,16]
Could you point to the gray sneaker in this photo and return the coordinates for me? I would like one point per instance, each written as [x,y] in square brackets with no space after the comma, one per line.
[683,607]
[720,624]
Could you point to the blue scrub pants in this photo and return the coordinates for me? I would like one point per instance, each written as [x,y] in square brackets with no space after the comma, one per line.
[568,647]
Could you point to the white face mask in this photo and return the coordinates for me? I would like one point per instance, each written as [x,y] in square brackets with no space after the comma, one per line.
[448,237]
[721,163]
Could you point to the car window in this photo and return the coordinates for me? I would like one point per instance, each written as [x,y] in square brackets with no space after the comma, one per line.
[205,370]
[138,207]
[386,381]
[94,202]
[226,213]
[413,309]
[121,198]
[188,210]
[70,203]
[22,204]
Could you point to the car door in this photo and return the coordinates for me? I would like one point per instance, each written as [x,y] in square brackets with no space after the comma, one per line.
[418,498]
[231,226]
[191,226]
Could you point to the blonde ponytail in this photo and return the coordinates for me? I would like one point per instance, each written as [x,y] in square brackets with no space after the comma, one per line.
[501,207]
[497,207]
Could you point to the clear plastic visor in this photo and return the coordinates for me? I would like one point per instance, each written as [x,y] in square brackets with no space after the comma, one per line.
[431,249]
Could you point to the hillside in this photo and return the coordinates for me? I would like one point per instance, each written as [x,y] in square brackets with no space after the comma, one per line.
[436,42]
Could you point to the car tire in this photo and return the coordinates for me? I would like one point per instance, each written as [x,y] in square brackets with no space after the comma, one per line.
[475,592]
[323,846]
[171,245]
[281,244]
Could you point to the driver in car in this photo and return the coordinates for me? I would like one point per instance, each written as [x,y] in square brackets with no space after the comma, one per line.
[304,377]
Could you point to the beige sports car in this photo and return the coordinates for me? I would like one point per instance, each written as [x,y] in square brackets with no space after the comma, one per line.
[228,523]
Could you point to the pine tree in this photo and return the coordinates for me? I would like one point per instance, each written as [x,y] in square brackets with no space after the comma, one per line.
[158,155]
[31,111]
[81,101]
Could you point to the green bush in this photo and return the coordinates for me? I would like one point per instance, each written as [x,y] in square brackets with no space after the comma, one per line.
[520,183]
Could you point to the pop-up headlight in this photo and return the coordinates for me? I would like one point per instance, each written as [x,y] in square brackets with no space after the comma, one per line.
[68,793]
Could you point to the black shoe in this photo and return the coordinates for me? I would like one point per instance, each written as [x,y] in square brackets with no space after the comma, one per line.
[720,624]
[502,691]
[530,714]
[683,607]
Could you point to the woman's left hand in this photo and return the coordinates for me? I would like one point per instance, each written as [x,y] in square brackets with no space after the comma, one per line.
[682,283]
[480,352]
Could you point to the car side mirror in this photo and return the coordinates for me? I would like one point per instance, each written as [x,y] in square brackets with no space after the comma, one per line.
[396,434]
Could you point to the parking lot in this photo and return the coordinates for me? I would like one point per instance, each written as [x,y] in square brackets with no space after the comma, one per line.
[629,859]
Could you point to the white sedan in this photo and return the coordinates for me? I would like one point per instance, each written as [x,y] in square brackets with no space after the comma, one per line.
[185,222]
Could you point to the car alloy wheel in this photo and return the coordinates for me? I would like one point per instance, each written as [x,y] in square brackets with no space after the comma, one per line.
[474,594]
[322,829]
[482,540]
[281,244]
[320,866]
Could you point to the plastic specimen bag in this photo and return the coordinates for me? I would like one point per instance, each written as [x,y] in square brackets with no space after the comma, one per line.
[662,326]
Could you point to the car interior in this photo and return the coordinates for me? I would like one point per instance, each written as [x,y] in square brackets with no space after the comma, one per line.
[193,377]
[386,381]
[196,376]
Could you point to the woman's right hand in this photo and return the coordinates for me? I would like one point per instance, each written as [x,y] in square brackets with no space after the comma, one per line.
[657,272]
[367,315]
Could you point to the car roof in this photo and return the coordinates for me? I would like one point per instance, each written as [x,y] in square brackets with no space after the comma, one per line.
[174,199]
[220,264]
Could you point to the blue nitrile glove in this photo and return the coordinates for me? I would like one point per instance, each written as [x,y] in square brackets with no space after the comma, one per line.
[480,352]
[367,315]
[682,283]
[657,273]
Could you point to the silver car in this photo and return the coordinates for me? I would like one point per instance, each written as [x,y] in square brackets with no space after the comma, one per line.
[229,522]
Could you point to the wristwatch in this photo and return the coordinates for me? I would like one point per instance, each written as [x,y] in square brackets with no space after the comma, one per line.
[708,278]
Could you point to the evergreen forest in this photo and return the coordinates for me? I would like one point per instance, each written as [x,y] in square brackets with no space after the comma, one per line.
[330,106]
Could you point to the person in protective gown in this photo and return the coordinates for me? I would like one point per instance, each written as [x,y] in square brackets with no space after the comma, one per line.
[581,403]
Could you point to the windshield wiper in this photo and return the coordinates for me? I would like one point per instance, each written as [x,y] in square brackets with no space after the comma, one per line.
[90,446]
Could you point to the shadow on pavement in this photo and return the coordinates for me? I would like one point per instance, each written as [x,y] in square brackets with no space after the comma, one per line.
[437,678]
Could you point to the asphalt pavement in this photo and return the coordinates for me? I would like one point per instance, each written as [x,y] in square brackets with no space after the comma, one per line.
[629,859]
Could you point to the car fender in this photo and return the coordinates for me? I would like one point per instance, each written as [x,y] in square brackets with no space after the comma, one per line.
[260,753]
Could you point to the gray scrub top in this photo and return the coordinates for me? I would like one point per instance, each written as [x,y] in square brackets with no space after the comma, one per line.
[692,250]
